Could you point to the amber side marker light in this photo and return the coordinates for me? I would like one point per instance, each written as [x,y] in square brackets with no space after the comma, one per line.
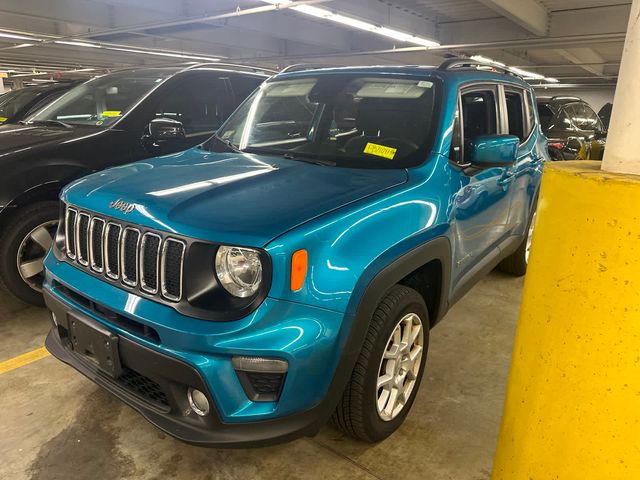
[299,261]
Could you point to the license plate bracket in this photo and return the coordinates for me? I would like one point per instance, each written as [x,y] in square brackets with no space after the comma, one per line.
[93,342]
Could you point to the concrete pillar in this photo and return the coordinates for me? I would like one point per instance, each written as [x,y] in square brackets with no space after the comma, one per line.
[1,85]
[620,155]
[572,409]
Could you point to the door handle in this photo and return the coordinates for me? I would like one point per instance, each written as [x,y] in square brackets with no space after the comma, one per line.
[506,179]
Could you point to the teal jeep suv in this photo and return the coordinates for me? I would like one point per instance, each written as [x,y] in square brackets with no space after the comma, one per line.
[289,269]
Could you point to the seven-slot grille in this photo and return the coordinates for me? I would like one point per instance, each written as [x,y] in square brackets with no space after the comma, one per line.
[137,259]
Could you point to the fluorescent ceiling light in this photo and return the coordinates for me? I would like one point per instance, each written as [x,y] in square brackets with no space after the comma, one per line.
[77,44]
[551,80]
[18,37]
[355,23]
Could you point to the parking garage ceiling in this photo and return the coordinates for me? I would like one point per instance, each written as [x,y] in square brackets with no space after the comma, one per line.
[576,42]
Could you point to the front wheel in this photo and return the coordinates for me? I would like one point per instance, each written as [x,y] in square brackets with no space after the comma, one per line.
[23,246]
[387,375]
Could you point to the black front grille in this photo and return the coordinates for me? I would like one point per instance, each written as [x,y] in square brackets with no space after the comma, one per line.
[137,259]
[96,254]
[69,231]
[144,387]
[129,254]
[113,249]
[172,257]
[82,239]
[150,252]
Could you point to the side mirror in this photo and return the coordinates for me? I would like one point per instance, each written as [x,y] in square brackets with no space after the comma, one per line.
[493,151]
[165,129]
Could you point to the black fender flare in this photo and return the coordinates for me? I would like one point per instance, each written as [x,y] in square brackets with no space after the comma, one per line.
[361,308]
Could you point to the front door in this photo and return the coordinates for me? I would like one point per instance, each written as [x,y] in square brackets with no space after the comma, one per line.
[482,197]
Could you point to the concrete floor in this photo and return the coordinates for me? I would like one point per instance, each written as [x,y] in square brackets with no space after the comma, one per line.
[55,424]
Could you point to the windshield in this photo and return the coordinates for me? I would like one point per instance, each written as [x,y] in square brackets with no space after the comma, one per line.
[338,119]
[12,102]
[101,101]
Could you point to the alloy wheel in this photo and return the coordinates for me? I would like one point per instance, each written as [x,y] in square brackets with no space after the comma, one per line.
[399,366]
[31,253]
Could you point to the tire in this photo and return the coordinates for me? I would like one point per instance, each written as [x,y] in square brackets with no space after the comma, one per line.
[32,222]
[358,413]
[516,263]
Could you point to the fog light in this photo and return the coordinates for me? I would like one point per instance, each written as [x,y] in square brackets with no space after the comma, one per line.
[198,401]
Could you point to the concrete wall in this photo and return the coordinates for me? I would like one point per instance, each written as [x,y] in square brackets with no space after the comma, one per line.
[596,97]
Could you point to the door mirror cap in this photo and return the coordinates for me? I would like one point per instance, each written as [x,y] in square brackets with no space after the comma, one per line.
[165,129]
[493,151]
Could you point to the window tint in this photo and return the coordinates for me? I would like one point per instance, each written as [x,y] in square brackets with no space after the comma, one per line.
[243,86]
[588,118]
[478,115]
[515,114]
[45,101]
[201,103]
[478,118]
[546,116]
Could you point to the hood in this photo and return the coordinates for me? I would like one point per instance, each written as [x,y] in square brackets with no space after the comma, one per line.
[21,138]
[233,198]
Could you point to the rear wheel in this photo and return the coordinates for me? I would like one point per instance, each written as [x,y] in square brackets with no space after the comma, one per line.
[23,246]
[387,375]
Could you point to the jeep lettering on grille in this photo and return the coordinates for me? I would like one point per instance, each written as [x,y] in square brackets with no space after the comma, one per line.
[123,206]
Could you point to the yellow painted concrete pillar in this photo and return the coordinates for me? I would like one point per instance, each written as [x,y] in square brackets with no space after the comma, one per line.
[572,410]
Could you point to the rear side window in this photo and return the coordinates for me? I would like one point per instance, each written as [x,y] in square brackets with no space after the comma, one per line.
[515,114]
[546,116]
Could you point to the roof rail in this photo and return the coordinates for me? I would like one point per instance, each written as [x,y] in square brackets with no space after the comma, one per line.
[470,64]
[235,66]
[299,67]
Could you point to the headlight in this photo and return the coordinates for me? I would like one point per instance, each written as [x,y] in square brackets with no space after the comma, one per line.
[239,270]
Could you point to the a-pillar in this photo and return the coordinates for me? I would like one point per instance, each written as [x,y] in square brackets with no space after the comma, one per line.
[572,409]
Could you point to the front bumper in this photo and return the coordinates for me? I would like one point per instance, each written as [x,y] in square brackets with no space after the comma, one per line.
[198,354]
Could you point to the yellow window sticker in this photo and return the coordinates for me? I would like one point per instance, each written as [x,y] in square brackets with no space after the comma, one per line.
[111,113]
[380,150]
[3,119]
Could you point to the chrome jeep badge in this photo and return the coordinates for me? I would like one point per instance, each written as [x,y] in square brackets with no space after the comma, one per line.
[123,206]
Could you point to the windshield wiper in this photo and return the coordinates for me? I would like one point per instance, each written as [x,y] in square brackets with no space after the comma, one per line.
[316,161]
[54,123]
[226,143]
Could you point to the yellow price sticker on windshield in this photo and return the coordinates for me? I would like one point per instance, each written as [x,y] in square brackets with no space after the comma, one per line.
[380,150]
[3,119]
[111,113]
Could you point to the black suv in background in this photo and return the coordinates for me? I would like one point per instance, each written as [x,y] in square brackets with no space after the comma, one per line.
[113,119]
[19,104]
[574,130]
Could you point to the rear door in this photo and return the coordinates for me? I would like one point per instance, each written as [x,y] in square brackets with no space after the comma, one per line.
[521,122]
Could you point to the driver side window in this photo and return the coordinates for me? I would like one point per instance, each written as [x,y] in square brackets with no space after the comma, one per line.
[478,117]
